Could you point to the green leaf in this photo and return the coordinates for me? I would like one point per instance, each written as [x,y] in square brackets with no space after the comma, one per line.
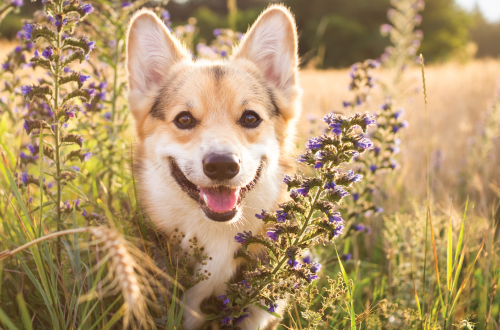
[5,320]
[25,316]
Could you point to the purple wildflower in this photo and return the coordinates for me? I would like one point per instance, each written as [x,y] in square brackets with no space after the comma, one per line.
[358,227]
[354,177]
[395,149]
[385,29]
[70,112]
[364,143]
[24,177]
[346,104]
[241,318]
[126,4]
[26,90]
[28,29]
[281,216]
[294,264]
[272,308]
[84,213]
[91,92]
[86,156]
[379,210]
[355,196]
[217,32]
[91,45]
[227,320]
[17,3]
[311,277]
[84,78]
[224,299]
[369,120]
[398,113]
[304,191]
[316,267]
[314,144]
[330,185]
[262,215]
[87,8]
[75,168]
[373,168]
[31,148]
[307,260]
[243,237]
[273,233]
[338,230]
[335,217]
[347,257]
[18,49]
[48,52]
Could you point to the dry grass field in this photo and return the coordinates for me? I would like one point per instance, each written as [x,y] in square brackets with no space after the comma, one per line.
[458,97]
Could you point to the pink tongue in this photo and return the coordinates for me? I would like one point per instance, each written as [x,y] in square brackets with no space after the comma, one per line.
[221,200]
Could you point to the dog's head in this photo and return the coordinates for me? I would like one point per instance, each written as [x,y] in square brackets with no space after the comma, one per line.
[216,129]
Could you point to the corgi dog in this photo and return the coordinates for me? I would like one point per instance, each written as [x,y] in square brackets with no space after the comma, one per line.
[214,140]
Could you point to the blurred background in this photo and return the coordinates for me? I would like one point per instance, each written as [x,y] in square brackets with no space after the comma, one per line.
[337,33]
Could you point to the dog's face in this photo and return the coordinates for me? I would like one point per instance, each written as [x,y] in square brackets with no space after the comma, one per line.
[216,129]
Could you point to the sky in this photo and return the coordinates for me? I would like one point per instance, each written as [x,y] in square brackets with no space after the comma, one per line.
[489,8]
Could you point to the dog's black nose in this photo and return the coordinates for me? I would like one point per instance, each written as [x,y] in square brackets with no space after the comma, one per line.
[221,167]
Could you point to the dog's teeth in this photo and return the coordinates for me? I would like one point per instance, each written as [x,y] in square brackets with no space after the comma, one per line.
[205,198]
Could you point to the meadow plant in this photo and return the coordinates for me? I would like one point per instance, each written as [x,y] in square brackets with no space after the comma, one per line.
[483,146]
[221,46]
[404,18]
[309,218]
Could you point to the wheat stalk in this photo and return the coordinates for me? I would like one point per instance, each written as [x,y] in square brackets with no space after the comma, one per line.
[125,274]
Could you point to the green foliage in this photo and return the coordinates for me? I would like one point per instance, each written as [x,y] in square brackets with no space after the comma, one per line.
[446,29]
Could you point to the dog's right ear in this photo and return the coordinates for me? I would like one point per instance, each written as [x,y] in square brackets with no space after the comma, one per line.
[151,51]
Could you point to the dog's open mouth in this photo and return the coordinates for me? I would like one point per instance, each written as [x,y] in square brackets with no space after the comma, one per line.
[220,203]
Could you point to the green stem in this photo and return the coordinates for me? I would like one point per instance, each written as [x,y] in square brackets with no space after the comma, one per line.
[57,140]
[113,107]
[283,260]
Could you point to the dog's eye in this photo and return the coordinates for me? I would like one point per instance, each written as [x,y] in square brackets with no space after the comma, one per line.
[184,120]
[250,119]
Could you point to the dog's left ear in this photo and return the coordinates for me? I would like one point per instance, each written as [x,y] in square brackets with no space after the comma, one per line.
[271,44]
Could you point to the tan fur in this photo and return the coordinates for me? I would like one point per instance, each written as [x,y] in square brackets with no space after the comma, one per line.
[261,76]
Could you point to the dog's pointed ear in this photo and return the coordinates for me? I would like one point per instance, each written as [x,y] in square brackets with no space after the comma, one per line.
[151,51]
[271,44]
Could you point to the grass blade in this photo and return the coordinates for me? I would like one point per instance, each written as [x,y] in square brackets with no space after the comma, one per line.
[118,315]
[5,320]
[436,261]
[461,236]
[464,283]
[25,316]
[449,257]
[346,280]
